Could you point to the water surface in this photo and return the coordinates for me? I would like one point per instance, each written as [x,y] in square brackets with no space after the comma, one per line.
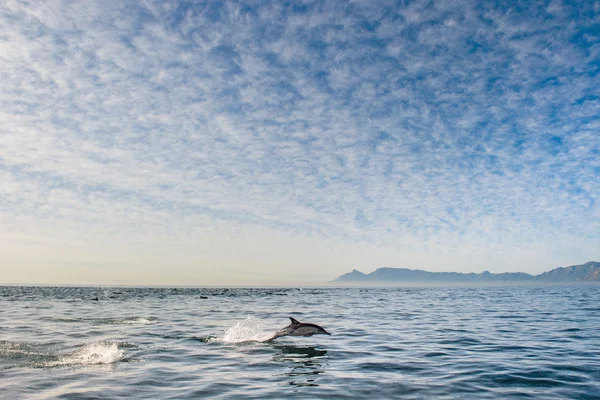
[421,343]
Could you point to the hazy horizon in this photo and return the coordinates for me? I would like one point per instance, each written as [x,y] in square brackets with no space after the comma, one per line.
[329,283]
[241,143]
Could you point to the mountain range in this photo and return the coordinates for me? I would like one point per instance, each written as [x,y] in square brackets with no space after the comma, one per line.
[588,272]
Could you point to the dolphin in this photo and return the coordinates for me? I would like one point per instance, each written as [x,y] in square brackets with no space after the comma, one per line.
[300,329]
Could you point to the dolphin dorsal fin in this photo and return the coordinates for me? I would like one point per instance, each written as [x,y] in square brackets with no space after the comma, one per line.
[294,322]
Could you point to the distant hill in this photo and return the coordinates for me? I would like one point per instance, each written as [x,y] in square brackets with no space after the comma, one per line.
[587,272]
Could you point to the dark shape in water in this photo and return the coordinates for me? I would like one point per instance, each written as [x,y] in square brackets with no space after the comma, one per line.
[204,339]
[302,352]
[300,329]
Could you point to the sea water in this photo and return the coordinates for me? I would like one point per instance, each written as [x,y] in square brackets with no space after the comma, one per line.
[410,343]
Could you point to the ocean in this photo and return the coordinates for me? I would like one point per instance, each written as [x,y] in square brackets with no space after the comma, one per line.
[192,343]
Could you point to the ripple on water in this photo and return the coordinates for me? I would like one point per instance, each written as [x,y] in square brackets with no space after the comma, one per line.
[414,343]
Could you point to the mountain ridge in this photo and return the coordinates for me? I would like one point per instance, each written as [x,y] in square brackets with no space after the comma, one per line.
[588,272]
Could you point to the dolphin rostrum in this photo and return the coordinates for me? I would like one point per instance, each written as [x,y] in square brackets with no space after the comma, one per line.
[300,329]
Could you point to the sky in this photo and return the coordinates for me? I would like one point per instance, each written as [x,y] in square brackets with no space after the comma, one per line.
[286,143]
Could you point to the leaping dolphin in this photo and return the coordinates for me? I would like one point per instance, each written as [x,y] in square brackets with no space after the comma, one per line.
[300,329]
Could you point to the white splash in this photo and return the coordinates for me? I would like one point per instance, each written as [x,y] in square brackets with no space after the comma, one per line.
[248,330]
[91,354]
[99,353]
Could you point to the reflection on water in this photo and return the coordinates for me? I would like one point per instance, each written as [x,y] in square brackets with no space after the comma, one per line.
[295,352]
[305,363]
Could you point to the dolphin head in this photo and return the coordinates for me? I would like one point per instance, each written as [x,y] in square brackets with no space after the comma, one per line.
[321,331]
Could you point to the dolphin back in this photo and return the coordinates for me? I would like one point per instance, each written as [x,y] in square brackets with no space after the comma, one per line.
[297,328]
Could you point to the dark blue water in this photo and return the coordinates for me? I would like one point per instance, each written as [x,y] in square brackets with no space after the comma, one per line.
[422,343]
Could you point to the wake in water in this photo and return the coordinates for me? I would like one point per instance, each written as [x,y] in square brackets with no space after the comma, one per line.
[245,331]
[22,354]
[91,354]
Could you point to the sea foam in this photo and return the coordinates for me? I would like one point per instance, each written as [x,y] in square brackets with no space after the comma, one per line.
[247,330]
[91,354]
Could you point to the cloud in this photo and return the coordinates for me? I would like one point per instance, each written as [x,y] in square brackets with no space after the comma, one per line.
[443,125]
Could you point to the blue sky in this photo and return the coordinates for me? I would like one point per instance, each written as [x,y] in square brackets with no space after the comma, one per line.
[288,142]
